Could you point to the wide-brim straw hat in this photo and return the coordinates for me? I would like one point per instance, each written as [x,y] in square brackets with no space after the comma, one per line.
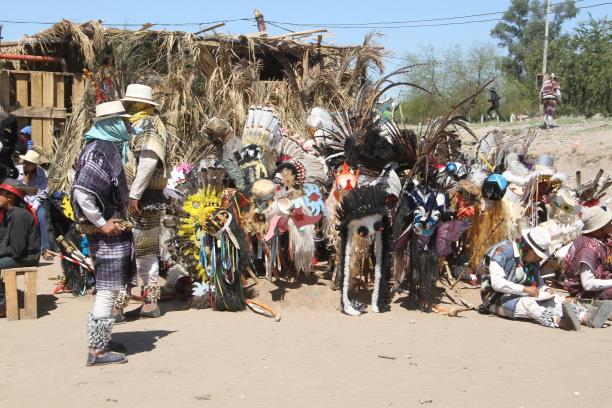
[107,110]
[538,238]
[31,157]
[139,93]
[595,218]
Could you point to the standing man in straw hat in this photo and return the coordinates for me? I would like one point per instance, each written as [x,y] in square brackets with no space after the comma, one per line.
[512,286]
[32,175]
[19,240]
[100,200]
[588,264]
[146,192]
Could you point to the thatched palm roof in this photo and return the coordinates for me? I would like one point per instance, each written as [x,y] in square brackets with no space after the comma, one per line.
[197,77]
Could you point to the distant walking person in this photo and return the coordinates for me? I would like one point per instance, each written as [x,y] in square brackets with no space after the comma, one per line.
[550,96]
[494,99]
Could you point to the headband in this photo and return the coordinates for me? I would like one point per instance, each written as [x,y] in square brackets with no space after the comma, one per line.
[13,190]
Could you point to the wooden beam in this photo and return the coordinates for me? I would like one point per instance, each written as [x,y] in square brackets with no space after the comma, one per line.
[213,27]
[5,90]
[78,88]
[21,71]
[42,112]
[298,34]
[59,91]
[21,86]
[49,100]
[36,101]
[146,26]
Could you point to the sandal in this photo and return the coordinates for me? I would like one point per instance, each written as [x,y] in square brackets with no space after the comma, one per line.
[61,287]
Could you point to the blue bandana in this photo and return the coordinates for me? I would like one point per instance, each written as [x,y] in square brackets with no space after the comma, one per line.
[111,130]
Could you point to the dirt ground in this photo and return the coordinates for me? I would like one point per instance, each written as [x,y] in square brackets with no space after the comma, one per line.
[315,356]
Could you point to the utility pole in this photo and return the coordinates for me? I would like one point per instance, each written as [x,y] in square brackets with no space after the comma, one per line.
[545,59]
[261,23]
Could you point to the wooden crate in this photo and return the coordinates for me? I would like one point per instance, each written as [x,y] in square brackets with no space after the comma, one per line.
[39,99]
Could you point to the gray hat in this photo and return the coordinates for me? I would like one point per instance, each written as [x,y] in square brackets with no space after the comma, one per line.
[17,185]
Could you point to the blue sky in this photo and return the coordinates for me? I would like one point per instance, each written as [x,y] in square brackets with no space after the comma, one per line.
[400,40]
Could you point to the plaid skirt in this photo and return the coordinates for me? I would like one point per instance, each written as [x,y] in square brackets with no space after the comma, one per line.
[146,233]
[114,261]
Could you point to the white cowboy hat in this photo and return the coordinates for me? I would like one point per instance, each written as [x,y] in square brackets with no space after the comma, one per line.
[31,157]
[139,93]
[595,218]
[109,110]
[539,240]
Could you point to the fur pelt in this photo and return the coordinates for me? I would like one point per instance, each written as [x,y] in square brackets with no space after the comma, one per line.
[488,228]
[363,213]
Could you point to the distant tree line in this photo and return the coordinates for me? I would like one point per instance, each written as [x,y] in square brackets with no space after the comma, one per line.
[582,59]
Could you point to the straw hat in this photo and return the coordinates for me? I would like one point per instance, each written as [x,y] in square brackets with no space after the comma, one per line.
[595,218]
[139,93]
[109,110]
[31,157]
[539,240]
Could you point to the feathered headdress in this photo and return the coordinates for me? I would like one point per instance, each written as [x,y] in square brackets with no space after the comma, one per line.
[314,168]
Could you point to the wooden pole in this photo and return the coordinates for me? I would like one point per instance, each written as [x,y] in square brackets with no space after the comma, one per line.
[545,56]
[299,33]
[213,27]
[261,23]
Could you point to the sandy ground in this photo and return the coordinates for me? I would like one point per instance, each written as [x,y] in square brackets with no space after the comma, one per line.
[315,356]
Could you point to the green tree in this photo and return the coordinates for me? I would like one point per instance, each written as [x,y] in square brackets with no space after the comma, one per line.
[521,32]
[451,75]
[583,61]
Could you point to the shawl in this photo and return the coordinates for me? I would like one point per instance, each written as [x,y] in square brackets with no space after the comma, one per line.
[591,252]
[100,172]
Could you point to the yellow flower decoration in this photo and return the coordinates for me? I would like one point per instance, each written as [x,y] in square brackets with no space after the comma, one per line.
[67,208]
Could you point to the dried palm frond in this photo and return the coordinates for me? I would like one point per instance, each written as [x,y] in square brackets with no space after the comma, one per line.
[195,78]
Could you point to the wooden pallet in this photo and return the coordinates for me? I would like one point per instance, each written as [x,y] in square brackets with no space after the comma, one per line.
[39,99]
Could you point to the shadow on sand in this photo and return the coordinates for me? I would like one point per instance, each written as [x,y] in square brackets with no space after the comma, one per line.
[140,341]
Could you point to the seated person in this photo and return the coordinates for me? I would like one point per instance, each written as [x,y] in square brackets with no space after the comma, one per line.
[588,264]
[24,140]
[19,239]
[32,175]
[512,286]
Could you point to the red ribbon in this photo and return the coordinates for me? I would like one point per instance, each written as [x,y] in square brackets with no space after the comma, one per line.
[21,196]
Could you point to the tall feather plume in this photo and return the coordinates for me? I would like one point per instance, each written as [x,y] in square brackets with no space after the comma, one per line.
[441,143]
[369,142]
[289,148]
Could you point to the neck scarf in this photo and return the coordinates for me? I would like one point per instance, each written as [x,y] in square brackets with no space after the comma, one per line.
[531,268]
[147,110]
[20,195]
[111,130]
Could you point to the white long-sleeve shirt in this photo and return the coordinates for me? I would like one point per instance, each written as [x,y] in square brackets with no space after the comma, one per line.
[87,202]
[40,181]
[500,283]
[589,282]
[146,166]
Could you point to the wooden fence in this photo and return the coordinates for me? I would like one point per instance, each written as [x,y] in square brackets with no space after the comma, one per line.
[40,99]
